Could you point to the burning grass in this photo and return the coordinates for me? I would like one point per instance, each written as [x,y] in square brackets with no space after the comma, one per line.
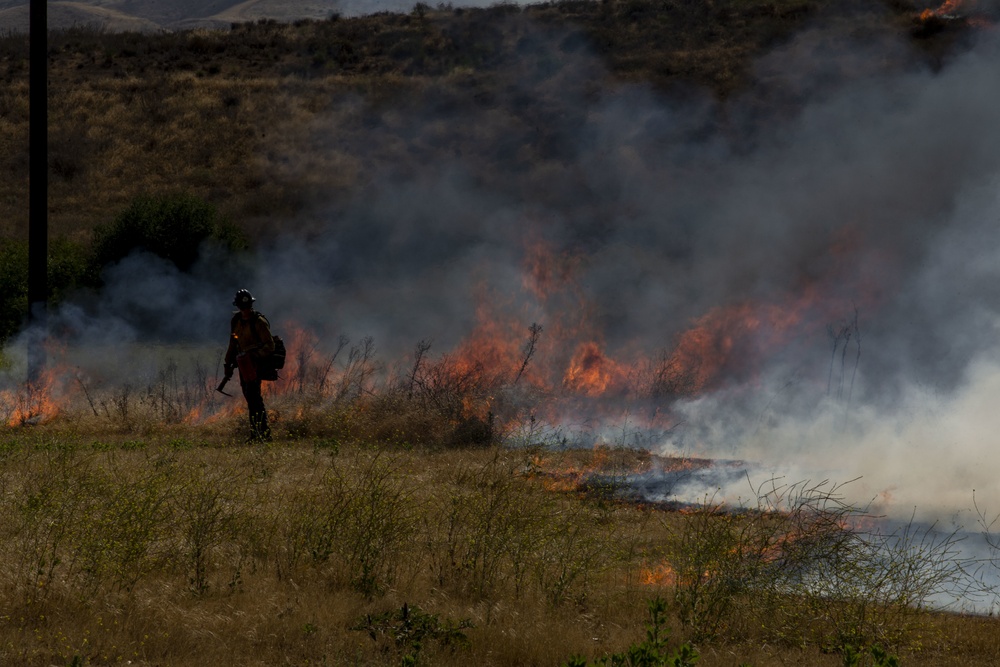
[140,530]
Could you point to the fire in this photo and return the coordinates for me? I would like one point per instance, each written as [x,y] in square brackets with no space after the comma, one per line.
[290,378]
[572,364]
[545,271]
[968,12]
[949,7]
[494,352]
[661,574]
[570,472]
[725,339]
[212,409]
[293,376]
[33,403]
[590,372]
[664,575]
[730,341]
[42,400]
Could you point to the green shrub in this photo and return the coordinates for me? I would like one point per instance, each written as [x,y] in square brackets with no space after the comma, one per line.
[171,226]
[359,515]
[411,628]
[13,286]
[488,531]
[68,269]
[653,652]
[880,657]
[114,538]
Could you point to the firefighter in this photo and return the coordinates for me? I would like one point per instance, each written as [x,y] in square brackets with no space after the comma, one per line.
[250,342]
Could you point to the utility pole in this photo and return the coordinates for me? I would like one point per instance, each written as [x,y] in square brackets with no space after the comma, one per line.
[38,189]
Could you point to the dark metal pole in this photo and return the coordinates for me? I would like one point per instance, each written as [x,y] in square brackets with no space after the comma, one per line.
[38,189]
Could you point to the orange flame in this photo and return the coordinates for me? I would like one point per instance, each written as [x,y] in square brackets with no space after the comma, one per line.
[545,271]
[954,9]
[33,403]
[293,376]
[590,372]
[568,476]
[946,8]
[661,574]
[494,349]
[724,338]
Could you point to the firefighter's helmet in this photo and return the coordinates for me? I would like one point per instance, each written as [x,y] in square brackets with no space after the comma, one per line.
[243,299]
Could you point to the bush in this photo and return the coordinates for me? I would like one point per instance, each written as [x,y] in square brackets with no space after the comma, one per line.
[358,514]
[172,226]
[68,269]
[13,286]
[802,553]
[411,628]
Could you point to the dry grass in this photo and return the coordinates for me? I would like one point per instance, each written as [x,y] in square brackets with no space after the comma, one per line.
[302,540]
[267,119]
[269,592]
[139,527]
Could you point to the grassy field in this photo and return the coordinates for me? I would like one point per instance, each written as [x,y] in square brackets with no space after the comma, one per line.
[179,548]
[394,522]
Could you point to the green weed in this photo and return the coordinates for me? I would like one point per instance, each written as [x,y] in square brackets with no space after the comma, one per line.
[653,652]
[410,629]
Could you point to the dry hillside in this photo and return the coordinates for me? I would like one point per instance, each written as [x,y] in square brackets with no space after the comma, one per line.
[266,119]
[151,16]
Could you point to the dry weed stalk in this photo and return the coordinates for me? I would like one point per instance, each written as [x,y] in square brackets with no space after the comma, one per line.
[801,552]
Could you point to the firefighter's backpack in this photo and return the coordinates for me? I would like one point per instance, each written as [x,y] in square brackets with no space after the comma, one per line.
[278,356]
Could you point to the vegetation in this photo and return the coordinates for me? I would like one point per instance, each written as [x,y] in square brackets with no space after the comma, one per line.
[230,116]
[175,227]
[404,519]
[378,530]
[172,227]
[69,268]
[651,653]
[222,126]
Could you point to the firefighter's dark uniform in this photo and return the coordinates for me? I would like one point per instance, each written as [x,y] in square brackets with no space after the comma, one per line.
[251,337]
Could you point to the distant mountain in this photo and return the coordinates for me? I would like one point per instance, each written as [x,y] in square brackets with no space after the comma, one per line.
[154,15]
[69,14]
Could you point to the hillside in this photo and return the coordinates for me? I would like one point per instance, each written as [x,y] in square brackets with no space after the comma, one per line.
[267,120]
[153,16]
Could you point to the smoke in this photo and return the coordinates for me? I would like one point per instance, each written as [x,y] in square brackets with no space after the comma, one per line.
[854,186]
[910,164]
[876,195]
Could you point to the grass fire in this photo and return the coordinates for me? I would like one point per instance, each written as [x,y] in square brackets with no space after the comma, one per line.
[620,328]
